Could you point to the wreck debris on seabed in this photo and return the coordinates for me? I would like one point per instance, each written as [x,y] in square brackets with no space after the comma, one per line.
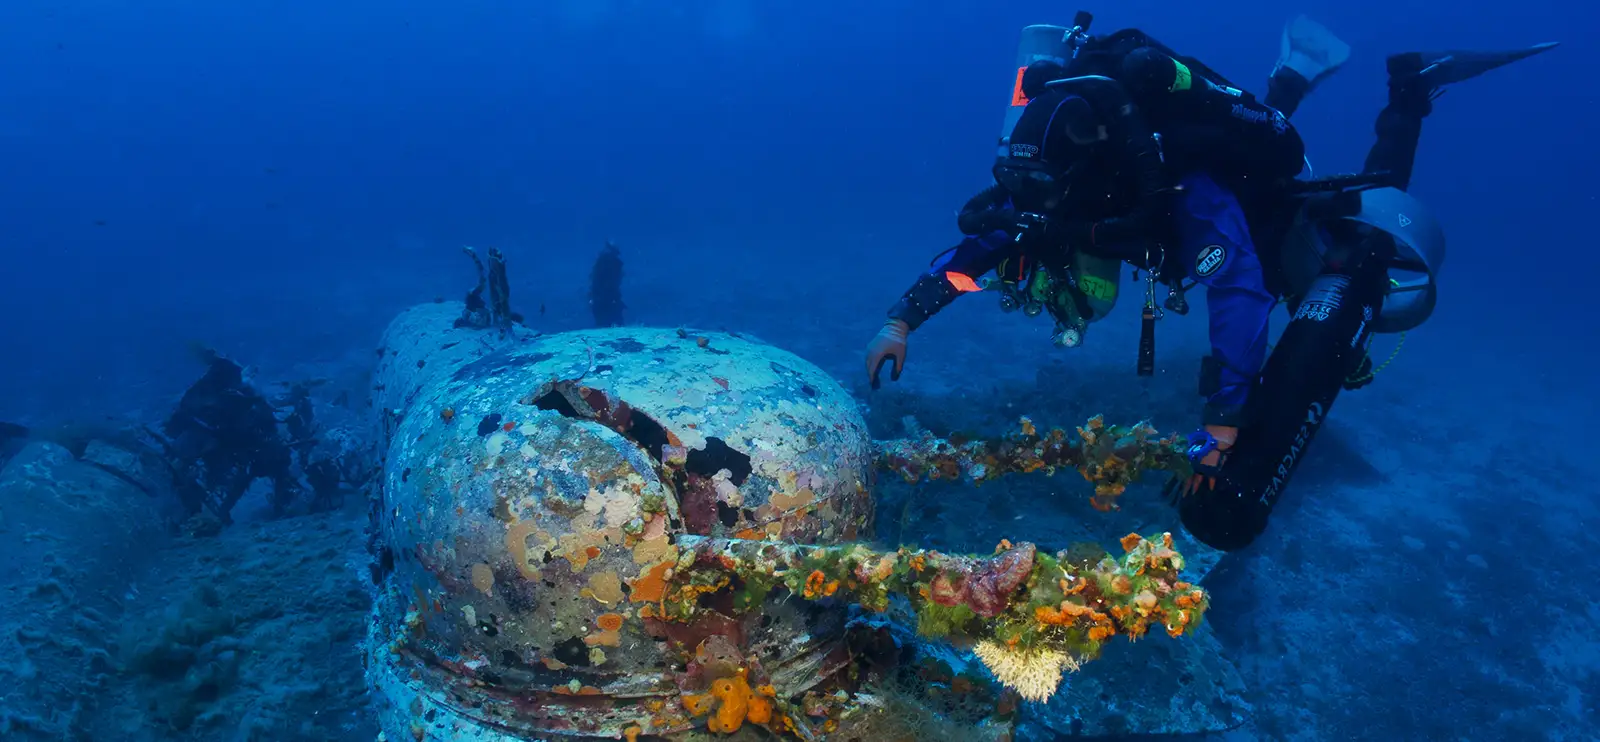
[642,533]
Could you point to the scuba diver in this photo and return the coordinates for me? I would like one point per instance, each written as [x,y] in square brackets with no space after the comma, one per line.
[222,437]
[1076,183]
[1086,176]
[1127,140]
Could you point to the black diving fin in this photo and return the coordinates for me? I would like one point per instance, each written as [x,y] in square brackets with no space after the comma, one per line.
[1445,68]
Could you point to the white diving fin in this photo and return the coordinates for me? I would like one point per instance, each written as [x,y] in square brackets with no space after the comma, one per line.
[1311,50]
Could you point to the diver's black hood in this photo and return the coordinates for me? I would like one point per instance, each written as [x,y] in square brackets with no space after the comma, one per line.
[1038,74]
[1055,131]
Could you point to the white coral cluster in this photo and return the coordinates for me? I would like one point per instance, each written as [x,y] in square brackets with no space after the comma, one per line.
[1034,673]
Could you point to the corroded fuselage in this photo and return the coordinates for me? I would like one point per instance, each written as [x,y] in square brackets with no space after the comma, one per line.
[532,489]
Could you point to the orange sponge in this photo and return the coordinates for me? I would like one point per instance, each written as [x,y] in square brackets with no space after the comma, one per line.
[731,703]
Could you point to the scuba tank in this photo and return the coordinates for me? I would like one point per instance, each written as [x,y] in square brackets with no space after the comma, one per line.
[1084,290]
[1041,42]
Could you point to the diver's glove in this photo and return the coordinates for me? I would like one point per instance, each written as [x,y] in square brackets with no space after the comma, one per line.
[1208,449]
[889,345]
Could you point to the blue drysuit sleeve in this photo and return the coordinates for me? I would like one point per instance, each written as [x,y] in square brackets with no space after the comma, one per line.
[975,256]
[934,290]
[1214,246]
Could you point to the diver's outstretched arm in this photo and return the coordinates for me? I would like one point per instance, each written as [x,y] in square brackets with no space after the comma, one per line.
[951,275]
[1415,80]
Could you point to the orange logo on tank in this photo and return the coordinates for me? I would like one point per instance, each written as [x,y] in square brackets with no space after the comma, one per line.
[1017,98]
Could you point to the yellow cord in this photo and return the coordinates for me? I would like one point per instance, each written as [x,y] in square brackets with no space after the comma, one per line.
[1396,352]
[1380,367]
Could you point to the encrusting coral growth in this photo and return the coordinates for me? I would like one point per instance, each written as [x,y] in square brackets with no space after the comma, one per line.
[1028,615]
[1034,673]
[1110,456]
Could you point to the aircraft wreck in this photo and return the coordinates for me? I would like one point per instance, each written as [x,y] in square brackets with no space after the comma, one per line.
[634,533]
